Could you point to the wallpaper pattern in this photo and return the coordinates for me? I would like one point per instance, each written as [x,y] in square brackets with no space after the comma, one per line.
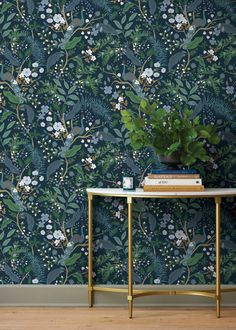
[67,69]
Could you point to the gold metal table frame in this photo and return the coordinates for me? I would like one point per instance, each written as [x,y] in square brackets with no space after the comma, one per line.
[217,194]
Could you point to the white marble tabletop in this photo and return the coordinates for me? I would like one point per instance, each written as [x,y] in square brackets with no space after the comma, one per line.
[208,192]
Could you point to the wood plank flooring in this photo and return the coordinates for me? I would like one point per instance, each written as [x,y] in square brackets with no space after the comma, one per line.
[100,318]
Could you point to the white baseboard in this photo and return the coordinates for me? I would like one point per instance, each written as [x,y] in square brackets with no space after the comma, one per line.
[76,295]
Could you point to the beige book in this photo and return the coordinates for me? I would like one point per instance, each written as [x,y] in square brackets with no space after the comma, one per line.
[173,188]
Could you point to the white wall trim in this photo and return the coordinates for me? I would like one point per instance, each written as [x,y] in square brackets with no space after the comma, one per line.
[76,295]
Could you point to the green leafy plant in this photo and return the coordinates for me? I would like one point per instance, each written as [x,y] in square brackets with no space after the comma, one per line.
[173,132]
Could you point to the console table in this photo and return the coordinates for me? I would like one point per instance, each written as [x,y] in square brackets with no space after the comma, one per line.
[216,193]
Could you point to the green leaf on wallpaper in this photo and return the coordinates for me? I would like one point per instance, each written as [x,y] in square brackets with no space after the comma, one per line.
[195,97]
[61,91]
[11,232]
[179,82]
[118,241]
[62,98]
[72,43]
[10,125]
[78,277]
[1,236]
[73,97]
[6,249]
[132,17]
[2,19]
[5,223]
[66,193]
[229,269]
[133,97]
[127,6]
[12,206]
[73,205]
[195,259]
[6,141]
[6,26]
[72,89]
[66,84]
[123,19]
[118,133]
[11,97]
[128,33]
[118,25]
[5,243]
[188,84]
[5,7]
[72,260]
[201,62]
[127,26]
[57,190]
[200,277]
[194,89]
[6,134]
[70,103]
[183,91]
[10,17]
[72,152]
[194,43]
[57,82]
[61,199]
[71,198]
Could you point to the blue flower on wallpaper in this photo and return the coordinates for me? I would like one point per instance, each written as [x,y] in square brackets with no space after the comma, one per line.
[67,70]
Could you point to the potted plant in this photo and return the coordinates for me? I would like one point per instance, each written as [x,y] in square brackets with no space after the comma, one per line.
[175,135]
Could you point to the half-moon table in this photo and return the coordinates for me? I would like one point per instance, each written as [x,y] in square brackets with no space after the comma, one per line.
[216,193]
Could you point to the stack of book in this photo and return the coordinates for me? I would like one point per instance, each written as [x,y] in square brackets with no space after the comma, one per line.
[173,180]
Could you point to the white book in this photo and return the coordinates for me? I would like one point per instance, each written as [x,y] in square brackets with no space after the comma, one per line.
[172,182]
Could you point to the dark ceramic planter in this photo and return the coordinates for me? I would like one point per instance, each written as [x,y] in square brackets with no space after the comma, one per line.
[171,162]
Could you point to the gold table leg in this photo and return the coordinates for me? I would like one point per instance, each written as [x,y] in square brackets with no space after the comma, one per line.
[130,261]
[218,293]
[90,252]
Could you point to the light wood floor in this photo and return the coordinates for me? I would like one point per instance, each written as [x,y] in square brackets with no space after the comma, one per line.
[97,318]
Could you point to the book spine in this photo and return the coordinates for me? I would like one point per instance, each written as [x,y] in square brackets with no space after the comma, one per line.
[173,188]
[155,171]
[174,182]
[174,176]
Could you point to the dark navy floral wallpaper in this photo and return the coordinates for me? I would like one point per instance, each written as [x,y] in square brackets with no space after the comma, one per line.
[67,70]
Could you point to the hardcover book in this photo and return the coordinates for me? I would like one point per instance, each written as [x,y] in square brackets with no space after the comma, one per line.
[172,182]
[173,188]
[173,176]
[158,171]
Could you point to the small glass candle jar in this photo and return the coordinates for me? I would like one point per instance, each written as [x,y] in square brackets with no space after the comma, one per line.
[128,182]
